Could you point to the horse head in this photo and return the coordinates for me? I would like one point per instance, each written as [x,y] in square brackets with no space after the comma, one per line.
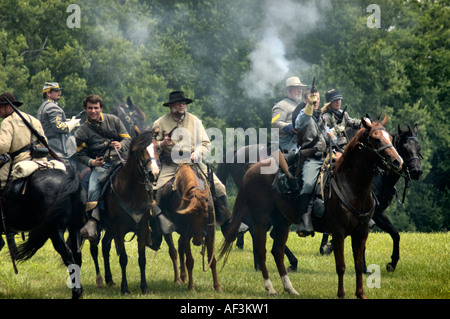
[380,142]
[147,157]
[408,147]
[195,201]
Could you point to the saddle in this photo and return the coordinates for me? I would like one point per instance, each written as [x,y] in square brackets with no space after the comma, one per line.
[21,173]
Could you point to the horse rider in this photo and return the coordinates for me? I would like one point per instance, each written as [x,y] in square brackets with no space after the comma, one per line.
[336,119]
[53,119]
[171,140]
[16,139]
[282,114]
[315,135]
[100,142]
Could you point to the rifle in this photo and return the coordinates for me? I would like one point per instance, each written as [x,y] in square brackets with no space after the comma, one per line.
[40,138]
[341,116]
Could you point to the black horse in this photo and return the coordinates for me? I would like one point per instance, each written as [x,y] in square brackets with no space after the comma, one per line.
[131,116]
[408,147]
[51,204]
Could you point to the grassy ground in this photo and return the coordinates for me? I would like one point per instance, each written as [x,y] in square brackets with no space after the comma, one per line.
[423,272]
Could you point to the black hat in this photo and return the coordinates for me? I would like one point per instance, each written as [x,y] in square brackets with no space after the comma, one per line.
[177,96]
[332,95]
[11,98]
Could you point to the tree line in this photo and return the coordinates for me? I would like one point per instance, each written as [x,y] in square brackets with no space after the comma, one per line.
[232,58]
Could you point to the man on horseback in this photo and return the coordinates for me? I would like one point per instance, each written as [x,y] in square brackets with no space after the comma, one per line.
[282,114]
[54,122]
[315,134]
[16,140]
[170,143]
[100,140]
[336,119]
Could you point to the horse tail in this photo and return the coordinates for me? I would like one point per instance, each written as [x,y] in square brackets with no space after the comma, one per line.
[232,230]
[59,215]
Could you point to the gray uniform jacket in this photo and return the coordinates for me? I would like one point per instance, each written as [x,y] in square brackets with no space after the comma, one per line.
[282,119]
[53,118]
[93,139]
[331,119]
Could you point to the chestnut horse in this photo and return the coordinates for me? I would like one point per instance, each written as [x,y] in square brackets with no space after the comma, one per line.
[344,215]
[188,204]
[128,202]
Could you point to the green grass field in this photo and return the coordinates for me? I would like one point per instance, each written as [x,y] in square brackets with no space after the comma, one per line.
[423,272]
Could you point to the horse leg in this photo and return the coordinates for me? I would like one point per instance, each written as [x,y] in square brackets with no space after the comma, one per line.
[325,248]
[358,247]
[142,239]
[106,248]
[211,257]
[186,250]
[181,250]
[123,260]
[256,263]
[290,256]
[338,243]
[93,248]
[280,235]
[173,256]
[383,222]
[61,247]
[260,248]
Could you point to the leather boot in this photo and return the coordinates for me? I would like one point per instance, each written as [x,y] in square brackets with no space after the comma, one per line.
[305,226]
[223,215]
[89,231]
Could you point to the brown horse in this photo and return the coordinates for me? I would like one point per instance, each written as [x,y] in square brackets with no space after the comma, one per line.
[349,215]
[128,202]
[188,204]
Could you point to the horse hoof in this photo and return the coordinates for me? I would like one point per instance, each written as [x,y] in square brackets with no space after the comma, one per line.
[99,281]
[292,269]
[390,267]
[125,292]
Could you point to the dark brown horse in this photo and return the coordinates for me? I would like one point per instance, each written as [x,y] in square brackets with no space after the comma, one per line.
[344,215]
[188,204]
[128,202]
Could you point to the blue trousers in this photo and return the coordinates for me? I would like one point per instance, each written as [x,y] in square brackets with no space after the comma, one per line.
[311,170]
[95,187]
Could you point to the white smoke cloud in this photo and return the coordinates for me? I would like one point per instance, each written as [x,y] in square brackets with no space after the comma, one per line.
[285,23]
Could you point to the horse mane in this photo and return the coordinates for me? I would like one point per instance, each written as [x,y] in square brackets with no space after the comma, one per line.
[193,198]
[141,141]
[349,148]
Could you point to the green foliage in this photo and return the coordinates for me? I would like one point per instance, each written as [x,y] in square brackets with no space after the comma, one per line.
[145,49]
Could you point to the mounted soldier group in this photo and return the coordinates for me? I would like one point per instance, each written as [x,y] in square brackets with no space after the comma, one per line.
[102,146]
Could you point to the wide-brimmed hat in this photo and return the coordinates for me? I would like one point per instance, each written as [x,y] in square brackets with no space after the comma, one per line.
[294,81]
[51,86]
[177,96]
[10,97]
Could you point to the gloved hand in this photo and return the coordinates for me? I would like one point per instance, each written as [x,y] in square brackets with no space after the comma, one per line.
[309,108]
[72,123]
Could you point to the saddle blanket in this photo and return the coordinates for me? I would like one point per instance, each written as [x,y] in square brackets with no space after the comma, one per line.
[26,168]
